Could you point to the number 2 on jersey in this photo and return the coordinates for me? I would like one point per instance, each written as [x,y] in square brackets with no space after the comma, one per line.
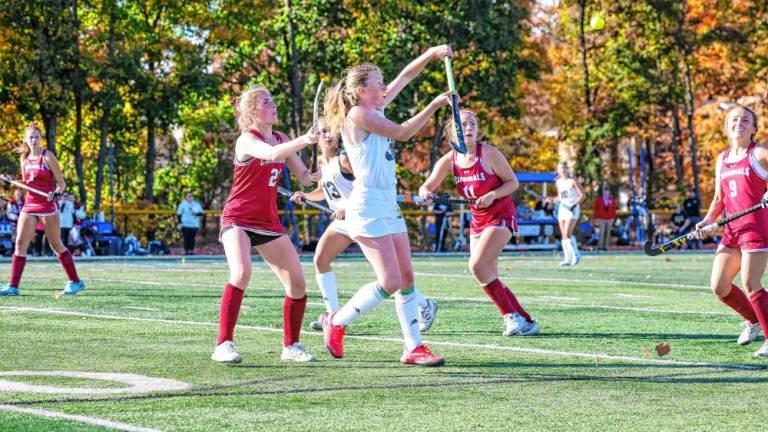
[273,177]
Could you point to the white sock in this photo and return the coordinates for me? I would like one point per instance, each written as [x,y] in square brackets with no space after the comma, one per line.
[365,299]
[575,245]
[421,301]
[408,315]
[327,284]
[567,249]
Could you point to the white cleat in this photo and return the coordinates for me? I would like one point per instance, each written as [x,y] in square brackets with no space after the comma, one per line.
[226,353]
[763,351]
[564,263]
[516,325]
[427,315]
[749,334]
[296,353]
[316,325]
[575,260]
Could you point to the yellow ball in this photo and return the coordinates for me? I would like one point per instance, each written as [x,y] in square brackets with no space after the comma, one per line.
[597,22]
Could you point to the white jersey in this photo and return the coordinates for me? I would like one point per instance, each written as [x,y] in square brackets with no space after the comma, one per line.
[336,187]
[373,162]
[566,189]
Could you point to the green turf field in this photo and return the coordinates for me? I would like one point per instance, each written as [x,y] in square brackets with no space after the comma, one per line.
[593,368]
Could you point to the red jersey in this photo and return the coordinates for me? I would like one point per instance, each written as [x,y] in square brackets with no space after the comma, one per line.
[743,184]
[38,175]
[476,181]
[252,201]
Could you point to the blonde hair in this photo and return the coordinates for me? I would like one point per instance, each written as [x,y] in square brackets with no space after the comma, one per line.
[343,95]
[245,106]
[743,108]
[23,148]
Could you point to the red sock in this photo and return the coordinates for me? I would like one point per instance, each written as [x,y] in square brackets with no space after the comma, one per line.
[69,266]
[497,292]
[738,301]
[17,268]
[516,304]
[759,301]
[230,308]
[293,316]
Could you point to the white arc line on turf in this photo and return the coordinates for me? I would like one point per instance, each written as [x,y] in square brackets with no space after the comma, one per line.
[593,355]
[136,383]
[566,280]
[95,421]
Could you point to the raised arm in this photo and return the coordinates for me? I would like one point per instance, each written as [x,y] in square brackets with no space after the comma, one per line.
[438,174]
[249,145]
[369,120]
[413,70]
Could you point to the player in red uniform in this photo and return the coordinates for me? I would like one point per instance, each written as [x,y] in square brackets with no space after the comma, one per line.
[484,174]
[741,176]
[250,219]
[40,170]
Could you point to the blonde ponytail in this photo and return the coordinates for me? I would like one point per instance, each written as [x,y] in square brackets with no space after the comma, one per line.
[343,95]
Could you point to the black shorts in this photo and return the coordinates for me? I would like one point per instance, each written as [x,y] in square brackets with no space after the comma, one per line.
[257,238]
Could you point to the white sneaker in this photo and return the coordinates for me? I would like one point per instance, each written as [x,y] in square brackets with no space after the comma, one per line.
[516,325]
[316,325]
[576,260]
[763,351]
[226,353]
[564,263]
[749,334]
[427,315]
[296,353]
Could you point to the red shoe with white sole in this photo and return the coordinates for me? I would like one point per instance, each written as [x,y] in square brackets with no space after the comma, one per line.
[333,335]
[422,356]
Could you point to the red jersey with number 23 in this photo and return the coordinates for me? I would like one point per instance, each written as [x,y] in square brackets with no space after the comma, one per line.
[476,181]
[252,201]
[743,186]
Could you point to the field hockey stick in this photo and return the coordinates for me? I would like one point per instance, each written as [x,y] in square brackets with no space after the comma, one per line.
[460,147]
[315,117]
[680,241]
[534,193]
[8,179]
[286,193]
[420,200]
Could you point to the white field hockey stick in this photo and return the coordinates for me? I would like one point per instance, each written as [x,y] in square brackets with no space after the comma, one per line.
[8,179]
[315,117]
[286,193]
[680,241]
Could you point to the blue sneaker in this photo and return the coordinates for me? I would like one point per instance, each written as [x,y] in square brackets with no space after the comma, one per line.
[73,288]
[9,290]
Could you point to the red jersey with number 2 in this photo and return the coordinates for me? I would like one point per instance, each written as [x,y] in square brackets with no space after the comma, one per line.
[476,181]
[743,185]
[252,201]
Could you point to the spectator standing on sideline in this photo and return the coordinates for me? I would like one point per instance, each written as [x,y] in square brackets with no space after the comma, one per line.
[680,221]
[189,212]
[442,212]
[605,214]
[68,212]
[692,208]
[13,211]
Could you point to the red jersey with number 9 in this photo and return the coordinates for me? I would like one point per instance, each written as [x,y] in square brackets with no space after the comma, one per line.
[252,201]
[38,175]
[743,184]
[476,181]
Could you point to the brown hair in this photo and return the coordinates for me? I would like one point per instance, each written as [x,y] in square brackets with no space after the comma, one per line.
[742,107]
[343,95]
[245,106]
[23,148]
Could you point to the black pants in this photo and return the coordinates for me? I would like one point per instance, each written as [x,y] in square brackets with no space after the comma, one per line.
[65,236]
[40,245]
[189,239]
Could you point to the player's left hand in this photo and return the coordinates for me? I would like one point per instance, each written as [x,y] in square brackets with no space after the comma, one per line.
[441,51]
[315,176]
[54,196]
[339,214]
[298,197]
[485,200]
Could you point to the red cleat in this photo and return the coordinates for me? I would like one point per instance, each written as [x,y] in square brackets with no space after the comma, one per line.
[422,356]
[333,335]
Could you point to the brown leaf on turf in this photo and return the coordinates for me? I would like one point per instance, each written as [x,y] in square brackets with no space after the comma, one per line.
[663,349]
[597,359]
[667,259]
[646,352]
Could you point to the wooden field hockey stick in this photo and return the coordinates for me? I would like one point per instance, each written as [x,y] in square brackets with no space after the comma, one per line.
[8,179]
[680,241]
[286,193]
[315,117]
[460,147]
[420,200]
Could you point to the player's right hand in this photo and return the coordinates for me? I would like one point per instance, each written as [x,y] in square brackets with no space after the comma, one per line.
[702,233]
[443,99]
[339,214]
[312,136]
[439,52]
[428,198]
[298,197]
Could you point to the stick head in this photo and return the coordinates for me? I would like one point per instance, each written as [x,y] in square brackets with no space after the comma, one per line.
[650,250]
[316,106]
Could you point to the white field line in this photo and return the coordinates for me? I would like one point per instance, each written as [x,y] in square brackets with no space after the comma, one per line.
[597,356]
[141,308]
[634,296]
[439,298]
[557,298]
[572,281]
[95,421]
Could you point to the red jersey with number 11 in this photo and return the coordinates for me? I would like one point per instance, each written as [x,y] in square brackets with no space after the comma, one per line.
[476,181]
[252,201]
[743,184]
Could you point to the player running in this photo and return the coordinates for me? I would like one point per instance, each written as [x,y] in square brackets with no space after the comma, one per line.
[740,183]
[250,219]
[335,188]
[570,194]
[483,174]
[40,170]
[354,107]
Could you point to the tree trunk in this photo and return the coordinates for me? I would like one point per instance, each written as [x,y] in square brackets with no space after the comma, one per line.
[584,66]
[49,123]
[149,173]
[677,150]
[78,87]
[689,98]
[296,99]
[106,107]
[436,140]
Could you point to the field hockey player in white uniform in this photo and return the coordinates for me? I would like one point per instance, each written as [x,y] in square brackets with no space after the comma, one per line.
[335,188]
[354,108]
[570,195]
